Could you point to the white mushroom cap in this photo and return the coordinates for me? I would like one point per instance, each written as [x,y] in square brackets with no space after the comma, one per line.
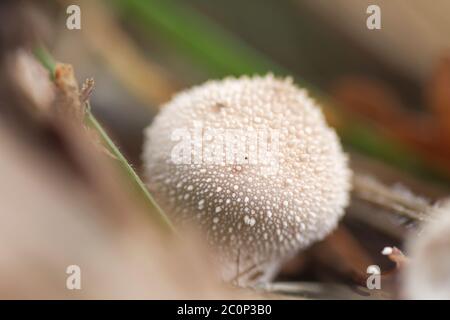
[428,273]
[254,217]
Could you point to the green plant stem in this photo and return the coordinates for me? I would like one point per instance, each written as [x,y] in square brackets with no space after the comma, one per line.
[128,169]
[42,54]
[194,34]
[49,63]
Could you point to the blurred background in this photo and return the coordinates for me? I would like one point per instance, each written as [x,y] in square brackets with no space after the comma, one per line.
[387,91]
[141,52]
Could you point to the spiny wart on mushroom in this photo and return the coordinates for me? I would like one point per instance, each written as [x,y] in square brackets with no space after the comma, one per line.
[254,219]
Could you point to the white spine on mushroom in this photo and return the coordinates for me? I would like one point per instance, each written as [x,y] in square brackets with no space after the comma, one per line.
[253,219]
[427,275]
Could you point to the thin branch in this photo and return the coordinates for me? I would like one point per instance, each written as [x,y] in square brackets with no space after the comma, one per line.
[92,122]
[47,60]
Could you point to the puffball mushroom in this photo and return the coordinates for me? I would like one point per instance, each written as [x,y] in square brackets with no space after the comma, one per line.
[255,212]
[427,275]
